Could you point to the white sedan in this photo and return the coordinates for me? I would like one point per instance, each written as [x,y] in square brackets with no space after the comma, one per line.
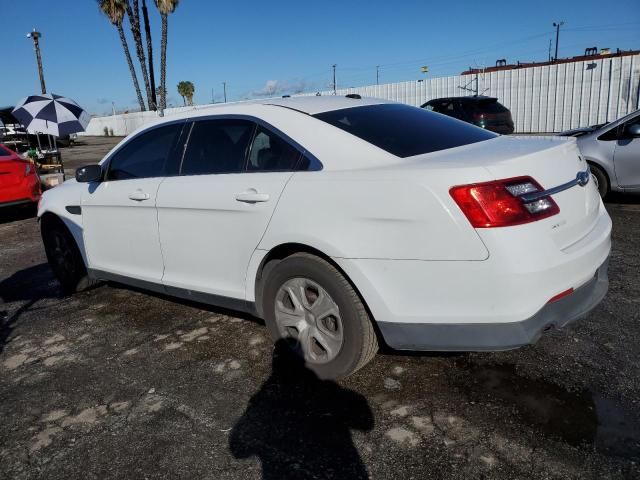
[343,222]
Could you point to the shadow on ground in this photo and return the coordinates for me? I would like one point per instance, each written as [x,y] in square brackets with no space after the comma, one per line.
[14,214]
[27,287]
[623,198]
[578,417]
[300,426]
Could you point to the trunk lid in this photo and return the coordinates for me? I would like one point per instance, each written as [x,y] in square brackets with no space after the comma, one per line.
[551,161]
[554,162]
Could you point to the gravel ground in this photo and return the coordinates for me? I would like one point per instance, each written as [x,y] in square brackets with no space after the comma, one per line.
[116,383]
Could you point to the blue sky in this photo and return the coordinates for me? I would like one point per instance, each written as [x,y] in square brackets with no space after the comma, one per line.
[292,45]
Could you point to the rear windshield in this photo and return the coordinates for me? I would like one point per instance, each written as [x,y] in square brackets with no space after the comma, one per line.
[490,106]
[404,131]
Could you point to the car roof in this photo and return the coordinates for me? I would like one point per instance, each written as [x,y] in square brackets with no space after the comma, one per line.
[318,104]
[473,98]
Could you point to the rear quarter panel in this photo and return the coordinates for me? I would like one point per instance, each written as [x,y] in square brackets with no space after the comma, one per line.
[393,213]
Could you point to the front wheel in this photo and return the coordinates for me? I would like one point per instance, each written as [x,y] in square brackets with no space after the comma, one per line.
[311,305]
[64,257]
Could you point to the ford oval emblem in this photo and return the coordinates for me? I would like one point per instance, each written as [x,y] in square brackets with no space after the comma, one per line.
[583,178]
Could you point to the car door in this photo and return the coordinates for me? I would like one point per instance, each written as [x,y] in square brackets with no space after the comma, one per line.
[626,157]
[120,222]
[213,215]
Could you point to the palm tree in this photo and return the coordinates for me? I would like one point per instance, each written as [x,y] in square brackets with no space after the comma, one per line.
[165,7]
[147,32]
[186,89]
[115,10]
[134,20]
[159,93]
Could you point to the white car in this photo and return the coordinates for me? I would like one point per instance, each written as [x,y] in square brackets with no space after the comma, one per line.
[343,222]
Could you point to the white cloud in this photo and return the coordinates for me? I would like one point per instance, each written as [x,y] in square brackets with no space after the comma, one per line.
[277,87]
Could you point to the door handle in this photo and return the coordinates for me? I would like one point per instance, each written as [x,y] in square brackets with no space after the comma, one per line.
[139,196]
[252,196]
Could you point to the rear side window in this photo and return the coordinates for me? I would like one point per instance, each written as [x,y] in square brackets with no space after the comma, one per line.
[146,155]
[217,146]
[490,106]
[405,131]
[270,153]
[4,152]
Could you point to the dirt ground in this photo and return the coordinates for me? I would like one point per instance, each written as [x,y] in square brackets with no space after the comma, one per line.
[117,383]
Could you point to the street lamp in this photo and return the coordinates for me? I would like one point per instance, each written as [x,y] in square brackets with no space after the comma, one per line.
[557,25]
[35,36]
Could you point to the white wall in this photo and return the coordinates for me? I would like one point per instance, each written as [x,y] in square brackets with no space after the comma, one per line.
[542,99]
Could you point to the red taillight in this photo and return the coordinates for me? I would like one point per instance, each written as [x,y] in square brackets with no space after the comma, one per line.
[499,203]
[557,297]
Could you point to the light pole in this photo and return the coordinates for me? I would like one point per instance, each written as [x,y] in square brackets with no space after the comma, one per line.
[377,74]
[557,25]
[334,79]
[224,87]
[35,36]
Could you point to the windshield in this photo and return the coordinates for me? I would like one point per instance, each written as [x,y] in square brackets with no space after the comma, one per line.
[404,131]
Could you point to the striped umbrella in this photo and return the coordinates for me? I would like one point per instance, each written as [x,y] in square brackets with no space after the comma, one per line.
[51,114]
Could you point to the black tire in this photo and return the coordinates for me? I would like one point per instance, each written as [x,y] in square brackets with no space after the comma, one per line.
[602,179]
[359,343]
[64,256]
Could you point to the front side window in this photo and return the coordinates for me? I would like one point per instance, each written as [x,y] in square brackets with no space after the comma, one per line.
[270,153]
[404,131]
[145,156]
[217,146]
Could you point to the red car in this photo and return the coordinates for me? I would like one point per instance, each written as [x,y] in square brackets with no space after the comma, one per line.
[19,182]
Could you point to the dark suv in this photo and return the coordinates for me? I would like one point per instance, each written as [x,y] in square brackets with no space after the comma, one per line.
[485,112]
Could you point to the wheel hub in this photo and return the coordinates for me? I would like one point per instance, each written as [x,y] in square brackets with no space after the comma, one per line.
[305,312]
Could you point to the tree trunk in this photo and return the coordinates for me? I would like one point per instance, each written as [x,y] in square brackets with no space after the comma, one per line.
[184,100]
[134,20]
[132,69]
[163,62]
[152,78]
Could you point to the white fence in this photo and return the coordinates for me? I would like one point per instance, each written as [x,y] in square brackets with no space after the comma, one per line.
[542,99]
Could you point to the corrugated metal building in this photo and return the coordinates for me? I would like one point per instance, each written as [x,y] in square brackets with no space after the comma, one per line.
[546,98]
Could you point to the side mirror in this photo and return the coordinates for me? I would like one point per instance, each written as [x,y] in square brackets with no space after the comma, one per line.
[89,173]
[632,130]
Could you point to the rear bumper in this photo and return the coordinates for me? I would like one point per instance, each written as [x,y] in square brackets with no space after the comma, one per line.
[498,336]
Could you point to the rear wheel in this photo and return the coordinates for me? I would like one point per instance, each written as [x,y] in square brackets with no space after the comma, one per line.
[602,182]
[311,305]
[64,257]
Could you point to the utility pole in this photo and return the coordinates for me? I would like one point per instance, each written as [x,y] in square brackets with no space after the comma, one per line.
[334,79]
[35,36]
[213,99]
[224,87]
[377,74]
[557,25]
[549,49]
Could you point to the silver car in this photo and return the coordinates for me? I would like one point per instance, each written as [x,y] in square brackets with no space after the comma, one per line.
[613,153]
